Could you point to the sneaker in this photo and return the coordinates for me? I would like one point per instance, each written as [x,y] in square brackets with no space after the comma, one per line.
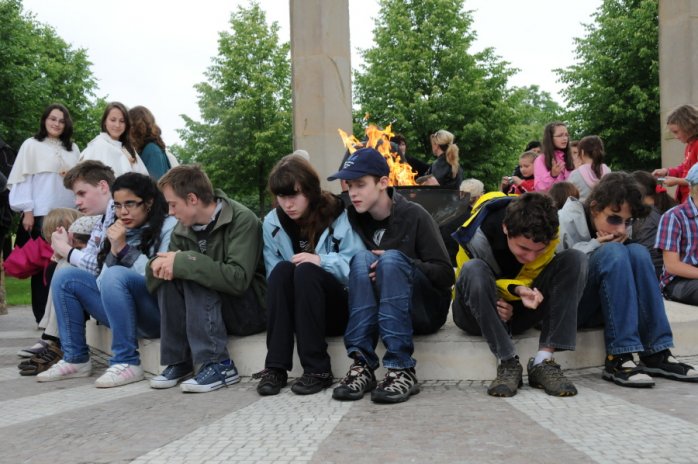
[548,376]
[65,370]
[120,374]
[397,386]
[35,349]
[310,384]
[509,378]
[42,361]
[623,371]
[172,375]
[664,364]
[212,376]
[359,380]
[272,380]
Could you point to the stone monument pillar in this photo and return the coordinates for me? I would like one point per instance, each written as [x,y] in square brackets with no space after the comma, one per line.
[678,67]
[321,76]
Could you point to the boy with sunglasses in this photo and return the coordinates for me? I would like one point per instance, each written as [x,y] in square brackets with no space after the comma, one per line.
[621,292]
[510,279]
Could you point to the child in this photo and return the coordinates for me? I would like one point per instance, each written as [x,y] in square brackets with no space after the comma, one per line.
[556,162]
[587,175]
[523,184]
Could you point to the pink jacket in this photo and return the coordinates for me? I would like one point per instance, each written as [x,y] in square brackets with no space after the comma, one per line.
[543,179]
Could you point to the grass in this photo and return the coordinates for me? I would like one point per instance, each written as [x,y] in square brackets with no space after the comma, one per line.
[18,291]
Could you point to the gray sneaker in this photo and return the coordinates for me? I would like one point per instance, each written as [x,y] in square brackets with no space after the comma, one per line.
[509,379]
[548,376]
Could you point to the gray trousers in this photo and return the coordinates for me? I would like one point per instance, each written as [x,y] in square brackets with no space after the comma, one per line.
[195,321]
[561,282]
[682,290]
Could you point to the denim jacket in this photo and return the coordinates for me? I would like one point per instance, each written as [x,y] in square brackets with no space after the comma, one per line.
[336,246]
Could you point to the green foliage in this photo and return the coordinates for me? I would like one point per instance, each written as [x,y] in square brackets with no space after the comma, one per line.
[245,108]
[613,90]
[421,75]
[18,291]
[536,109]
[39,68]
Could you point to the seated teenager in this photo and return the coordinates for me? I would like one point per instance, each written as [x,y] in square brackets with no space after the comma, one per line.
[209,284]
[621,290]
[401,285]
[118,297]
[510,279]
[677,237]
[308,244]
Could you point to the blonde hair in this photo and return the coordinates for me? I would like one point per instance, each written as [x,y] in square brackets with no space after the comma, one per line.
[444,139]
[58,217]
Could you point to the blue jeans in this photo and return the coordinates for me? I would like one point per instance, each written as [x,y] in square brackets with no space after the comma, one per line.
[124,305]
[622,292]
[386,308]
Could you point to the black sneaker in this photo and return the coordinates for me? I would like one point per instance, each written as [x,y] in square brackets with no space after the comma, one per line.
[664,364]
[509,378]
[548,376]
[623,371]
[359,380]
[397,386]
[272,380]
[310,384]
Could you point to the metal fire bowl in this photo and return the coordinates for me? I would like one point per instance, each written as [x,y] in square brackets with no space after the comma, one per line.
[444,205]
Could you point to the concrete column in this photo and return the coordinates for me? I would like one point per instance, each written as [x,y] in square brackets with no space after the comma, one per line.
[678,67]
[321,75]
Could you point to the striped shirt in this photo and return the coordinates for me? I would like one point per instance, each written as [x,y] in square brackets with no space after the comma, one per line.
[87,257]
[678,232]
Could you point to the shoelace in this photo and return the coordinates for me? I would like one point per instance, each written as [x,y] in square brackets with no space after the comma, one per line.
[267,373]
[355,372]
[307,379]
[205,372]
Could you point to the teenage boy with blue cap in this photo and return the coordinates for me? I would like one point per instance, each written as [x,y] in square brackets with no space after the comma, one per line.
[399,286]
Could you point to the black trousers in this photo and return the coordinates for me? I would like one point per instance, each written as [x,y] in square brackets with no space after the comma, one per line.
[309,302]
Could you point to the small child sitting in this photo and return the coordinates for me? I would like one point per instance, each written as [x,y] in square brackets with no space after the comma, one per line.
[524,183]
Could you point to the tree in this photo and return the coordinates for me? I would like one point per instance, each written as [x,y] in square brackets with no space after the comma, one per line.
[245,108]
[421,76]
[613,90]
[39,68]
[536,109]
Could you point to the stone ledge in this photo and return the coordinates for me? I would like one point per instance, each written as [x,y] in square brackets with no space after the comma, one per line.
[450,354]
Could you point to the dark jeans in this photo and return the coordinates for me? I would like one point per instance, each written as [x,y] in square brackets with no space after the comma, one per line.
[682,290]
[309,302]
[39,290]
[561,282]
[195,321]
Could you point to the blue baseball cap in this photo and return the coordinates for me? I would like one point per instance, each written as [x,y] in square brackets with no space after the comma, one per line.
[692,176]
[364,162]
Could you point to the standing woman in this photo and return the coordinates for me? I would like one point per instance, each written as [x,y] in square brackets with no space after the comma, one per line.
[308,244]
[445,169]
[146,138]
[683,123]
[556,164]
[118,297]
[36,184]
[113,146]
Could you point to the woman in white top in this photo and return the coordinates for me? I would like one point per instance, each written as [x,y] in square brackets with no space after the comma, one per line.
[36,183]
[113,146]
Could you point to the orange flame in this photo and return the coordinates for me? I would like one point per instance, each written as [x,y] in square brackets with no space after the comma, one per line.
[401,173]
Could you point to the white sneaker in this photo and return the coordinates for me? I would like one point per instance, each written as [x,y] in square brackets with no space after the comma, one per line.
[120,374]
[65,370]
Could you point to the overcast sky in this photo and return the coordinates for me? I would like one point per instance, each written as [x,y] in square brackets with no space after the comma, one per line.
[152,52]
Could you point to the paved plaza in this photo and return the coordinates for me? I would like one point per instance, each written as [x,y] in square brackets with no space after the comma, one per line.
[74,422]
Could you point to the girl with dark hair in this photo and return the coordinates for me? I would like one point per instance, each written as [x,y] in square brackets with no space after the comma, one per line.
[556,164]
[308,244]
[36,184]
[621,292]
[113,145]
[683,124]
[118,297]
[645,230]
[587,175]
[146,138]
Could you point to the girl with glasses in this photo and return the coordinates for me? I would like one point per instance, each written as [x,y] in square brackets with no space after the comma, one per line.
[555,164]
[117,297]
[622,292]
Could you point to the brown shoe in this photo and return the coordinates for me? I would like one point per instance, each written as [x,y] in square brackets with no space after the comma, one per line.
[42,361]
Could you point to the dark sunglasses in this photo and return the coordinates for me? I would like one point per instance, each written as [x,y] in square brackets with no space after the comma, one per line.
[615,220]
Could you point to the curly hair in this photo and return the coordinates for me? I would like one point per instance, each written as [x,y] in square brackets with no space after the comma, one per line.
[614,189]
[532,215]
[147,190]
[686,117]
[144,129]
[66,136]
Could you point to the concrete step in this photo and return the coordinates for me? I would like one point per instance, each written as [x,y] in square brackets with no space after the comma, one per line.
[450,354]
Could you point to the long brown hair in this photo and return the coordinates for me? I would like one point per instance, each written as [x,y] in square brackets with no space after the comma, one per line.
[125,138]
[144,128]
[294,174]
[549,147]
[592,146]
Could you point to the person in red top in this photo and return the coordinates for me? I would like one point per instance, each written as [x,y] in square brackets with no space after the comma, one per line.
[683,123]
[523,183]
